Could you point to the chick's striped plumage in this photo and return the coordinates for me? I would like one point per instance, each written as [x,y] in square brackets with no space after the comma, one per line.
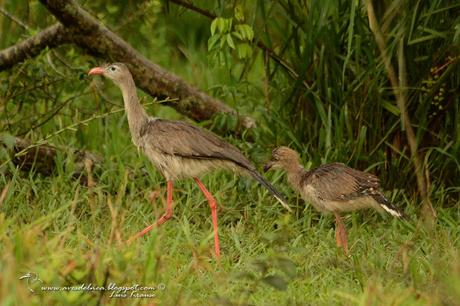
[336,187]
[333,187]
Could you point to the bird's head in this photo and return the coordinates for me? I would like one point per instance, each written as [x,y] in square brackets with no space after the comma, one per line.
[282,158]
[117,72]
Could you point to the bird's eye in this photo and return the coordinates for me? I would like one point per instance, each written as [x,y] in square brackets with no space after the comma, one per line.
[112,68]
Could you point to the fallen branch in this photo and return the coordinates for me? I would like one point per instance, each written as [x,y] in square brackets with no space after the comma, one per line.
[42,158]
[79,27]
[51,37]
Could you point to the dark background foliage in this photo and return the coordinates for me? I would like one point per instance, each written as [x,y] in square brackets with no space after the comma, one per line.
[313,77]
[338,107]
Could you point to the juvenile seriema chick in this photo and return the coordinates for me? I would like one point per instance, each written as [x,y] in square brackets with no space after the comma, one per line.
[332,188]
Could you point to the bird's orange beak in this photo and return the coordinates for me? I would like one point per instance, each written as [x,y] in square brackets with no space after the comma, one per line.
[96,70]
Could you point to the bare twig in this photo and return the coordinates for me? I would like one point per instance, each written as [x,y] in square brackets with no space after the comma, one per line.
[4,192]
[194,8]
[51,115]
[14,18]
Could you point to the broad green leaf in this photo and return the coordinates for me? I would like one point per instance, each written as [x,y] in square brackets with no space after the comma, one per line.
[238,35]
[212,41]
[224,25]
[244,50]
[221,24]
[239,13]
[230,42]
[245,30]
[214,26]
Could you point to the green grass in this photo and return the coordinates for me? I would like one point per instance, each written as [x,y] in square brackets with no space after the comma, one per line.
[71,234]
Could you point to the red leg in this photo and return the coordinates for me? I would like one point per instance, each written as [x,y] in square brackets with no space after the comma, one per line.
[341,233]
[166,216]
[213,205]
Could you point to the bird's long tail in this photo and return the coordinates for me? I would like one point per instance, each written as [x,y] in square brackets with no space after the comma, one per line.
[389,207]
[258,177]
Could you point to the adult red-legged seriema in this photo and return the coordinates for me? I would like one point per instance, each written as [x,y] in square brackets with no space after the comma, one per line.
[178,149]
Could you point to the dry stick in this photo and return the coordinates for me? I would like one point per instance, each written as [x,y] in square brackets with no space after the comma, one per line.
[4,192]
[116,220]
[14,18]
[52,114]
[90,183]
[399,92]
[113,214]
[73,204]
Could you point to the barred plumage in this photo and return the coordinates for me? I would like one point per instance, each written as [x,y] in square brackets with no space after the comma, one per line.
[333,187]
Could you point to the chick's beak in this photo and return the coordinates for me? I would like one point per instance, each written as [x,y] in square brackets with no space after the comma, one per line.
[267,166]
[96,70]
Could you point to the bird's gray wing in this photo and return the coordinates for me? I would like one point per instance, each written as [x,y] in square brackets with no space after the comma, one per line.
[337,182]
[185,140]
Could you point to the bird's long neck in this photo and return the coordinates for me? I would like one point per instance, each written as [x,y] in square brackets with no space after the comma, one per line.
[294,173]
[137,116]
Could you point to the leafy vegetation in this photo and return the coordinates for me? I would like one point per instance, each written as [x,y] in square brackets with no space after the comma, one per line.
[312,75]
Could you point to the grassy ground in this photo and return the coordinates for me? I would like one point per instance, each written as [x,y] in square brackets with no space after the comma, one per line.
[71,235]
